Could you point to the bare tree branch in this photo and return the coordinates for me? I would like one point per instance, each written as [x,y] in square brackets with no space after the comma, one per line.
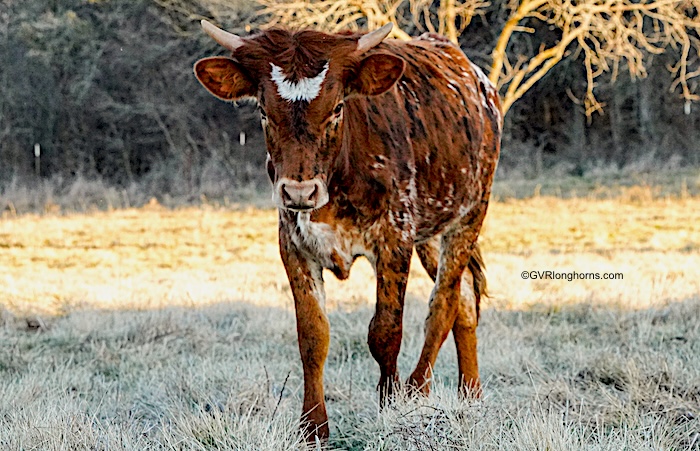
[610,34]
[450,18]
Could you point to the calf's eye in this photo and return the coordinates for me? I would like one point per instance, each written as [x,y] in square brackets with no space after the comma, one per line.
[338,108]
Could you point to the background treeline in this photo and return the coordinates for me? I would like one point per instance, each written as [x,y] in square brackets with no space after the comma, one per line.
[105,87]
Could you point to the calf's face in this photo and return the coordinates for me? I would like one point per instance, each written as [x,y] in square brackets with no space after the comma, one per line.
[300,81]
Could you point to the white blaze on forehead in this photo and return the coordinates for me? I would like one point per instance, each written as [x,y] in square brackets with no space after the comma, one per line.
[304,89]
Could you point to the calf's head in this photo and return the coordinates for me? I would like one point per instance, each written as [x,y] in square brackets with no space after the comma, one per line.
[300,81]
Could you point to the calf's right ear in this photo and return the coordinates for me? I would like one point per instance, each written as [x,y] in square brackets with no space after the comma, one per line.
[224,78]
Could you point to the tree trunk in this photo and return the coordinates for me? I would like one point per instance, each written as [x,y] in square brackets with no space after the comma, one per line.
[645,114]
[619,150]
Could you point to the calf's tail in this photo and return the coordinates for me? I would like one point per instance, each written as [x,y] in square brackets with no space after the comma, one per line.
[476,266]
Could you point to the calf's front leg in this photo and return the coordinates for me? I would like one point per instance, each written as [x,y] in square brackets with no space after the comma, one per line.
[313,331]
[385,329]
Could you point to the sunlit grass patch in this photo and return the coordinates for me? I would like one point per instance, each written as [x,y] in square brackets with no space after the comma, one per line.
[151,257]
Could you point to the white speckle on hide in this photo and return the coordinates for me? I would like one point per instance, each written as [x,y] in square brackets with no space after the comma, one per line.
[465,209]
[415,97]
[451,84]
[487,102]
[412,192]
[319,290]
[405,222]
[379,164]
[392,219]
[481,75]
[317,236]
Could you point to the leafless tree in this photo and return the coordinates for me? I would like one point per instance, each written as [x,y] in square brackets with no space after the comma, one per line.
[334,15]
[612,35]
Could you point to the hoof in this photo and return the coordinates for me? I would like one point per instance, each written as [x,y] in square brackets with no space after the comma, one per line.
[316,435]
[314,424]
[470,389]
[418,386]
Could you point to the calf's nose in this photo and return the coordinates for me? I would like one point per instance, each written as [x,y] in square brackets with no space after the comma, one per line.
[300,195]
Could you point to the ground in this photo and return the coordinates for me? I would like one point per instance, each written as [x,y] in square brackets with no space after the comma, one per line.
[158,328]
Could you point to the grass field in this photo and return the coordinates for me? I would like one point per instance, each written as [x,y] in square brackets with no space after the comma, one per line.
[156,328]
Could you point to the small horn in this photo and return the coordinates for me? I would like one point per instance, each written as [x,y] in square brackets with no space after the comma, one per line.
[372,39]
[226,39]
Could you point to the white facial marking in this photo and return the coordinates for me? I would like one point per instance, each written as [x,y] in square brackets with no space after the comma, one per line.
[304,89]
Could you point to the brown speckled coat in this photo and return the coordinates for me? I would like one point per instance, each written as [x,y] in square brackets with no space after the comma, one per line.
[373,154]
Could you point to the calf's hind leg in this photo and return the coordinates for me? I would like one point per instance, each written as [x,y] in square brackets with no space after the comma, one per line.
[453,306]
[473,286]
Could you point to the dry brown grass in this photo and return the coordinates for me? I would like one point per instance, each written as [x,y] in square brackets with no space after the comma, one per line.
[173,329]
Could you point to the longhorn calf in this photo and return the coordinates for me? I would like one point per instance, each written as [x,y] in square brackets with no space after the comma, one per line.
[374,147]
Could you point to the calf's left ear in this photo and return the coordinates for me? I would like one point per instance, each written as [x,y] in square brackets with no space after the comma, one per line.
[375,74]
